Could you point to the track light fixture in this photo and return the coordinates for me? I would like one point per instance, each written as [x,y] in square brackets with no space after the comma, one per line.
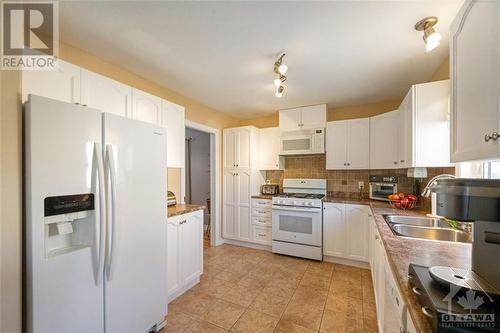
[432,38]
[280,68]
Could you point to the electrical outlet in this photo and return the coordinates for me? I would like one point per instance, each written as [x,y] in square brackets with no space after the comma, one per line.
[361,185]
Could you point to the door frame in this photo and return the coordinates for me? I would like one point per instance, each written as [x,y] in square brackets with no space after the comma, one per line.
[215,179]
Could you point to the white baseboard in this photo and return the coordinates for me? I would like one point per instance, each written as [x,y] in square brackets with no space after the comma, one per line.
[247,244]
[348,262]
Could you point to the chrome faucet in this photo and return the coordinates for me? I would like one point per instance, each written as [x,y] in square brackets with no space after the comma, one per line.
[427,191]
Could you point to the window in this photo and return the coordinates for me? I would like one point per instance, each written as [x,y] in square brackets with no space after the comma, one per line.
[479,169]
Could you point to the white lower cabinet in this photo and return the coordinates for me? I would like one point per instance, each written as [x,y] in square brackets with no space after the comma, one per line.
[262,221]
[185,252]
[345,231]
[392,312]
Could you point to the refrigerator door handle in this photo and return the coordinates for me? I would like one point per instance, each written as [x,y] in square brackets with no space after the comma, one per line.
[111,234]
[102,213]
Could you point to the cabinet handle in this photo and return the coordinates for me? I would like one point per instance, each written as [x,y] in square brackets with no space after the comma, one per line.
[376,236]
[494,136]
[395,162]
[261,235]
[402,161]
[348,163]
[182,222]
[345,164]
[427,312]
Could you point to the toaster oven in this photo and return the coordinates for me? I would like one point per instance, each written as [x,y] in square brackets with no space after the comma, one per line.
[269,189]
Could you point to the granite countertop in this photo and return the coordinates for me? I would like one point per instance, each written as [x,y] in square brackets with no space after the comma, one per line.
[404,251]
[263,196]
[180,209]
[348,200]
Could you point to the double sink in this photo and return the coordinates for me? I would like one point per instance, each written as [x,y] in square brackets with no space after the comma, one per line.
[429,228]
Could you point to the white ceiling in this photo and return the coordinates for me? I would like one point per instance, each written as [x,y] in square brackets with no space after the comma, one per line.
[222,53]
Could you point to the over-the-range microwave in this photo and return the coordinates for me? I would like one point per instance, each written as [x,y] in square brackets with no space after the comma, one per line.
[303,142]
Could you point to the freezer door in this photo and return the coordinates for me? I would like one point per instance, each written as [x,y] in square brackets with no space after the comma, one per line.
[136,263]
[64,291]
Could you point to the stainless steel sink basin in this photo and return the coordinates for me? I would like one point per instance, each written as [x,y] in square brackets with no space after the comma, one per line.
[440,234]
[427,228]
[417,221]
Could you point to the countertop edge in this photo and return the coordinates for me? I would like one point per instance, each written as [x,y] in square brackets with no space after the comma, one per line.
[179,209]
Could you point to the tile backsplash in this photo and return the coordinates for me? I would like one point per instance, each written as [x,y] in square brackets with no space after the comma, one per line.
[345,182]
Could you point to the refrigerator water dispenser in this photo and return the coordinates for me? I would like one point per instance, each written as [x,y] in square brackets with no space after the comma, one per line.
[69,223]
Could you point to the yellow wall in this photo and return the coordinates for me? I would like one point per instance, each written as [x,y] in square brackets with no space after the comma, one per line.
[195,111]
[443,71]
[10,202]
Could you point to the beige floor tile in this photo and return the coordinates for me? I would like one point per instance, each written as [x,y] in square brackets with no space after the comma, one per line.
[255,322]
[316,281]
[214,287]
[343,304]
[241,295]
[229,275]
[253,281]
[223,314]
[192,303]
[346,288]
[270,304]
[280,288]
[321,268]
[370,326]
[303,315]
[202,326]
[337,322]
[310,296]
[286,326]
[177,322]
[369,311]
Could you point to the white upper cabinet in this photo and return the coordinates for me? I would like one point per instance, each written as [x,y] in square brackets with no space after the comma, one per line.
[348,144]
[307,117]
[475,82]
[173,120]
[146,107]
[241,147]
[336,144]
[405,134]
[105,94]
[269,149]
[62,84]
[384,141]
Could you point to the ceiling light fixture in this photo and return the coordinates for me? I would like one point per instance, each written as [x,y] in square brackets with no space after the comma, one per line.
[432,38]
[280,68]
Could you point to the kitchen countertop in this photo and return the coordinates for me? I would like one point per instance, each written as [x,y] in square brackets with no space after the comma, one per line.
[180,209]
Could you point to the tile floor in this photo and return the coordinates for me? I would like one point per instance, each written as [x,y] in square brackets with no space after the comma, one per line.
[248,290]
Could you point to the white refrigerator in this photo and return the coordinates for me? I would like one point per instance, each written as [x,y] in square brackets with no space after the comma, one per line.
[96,231]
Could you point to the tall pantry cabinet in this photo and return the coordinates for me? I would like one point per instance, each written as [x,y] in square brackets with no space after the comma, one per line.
[241,180]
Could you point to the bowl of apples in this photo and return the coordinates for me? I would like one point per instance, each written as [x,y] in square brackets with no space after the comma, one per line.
[402,200]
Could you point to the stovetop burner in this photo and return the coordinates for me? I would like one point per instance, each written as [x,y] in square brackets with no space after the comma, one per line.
[301,195]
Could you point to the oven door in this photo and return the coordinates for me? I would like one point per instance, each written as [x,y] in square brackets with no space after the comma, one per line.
[298,225]
[296,144]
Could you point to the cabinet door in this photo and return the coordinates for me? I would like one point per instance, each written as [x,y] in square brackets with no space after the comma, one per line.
[242,148]
[173,120]
[358,143]
[62,84]
[229,149]
[475,81]
[192,247]
[383,141]
[269,148]
[405,128]
[242,218]
[174,269]
[105,94]
[335,242]
[357,226]
[290,120]
[229,216]
[313,116]
[336,144]
[146,107]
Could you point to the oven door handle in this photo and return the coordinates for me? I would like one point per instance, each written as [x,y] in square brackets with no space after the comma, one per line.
[301,209]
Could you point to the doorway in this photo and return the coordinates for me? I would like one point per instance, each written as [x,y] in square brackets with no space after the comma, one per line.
[200,174]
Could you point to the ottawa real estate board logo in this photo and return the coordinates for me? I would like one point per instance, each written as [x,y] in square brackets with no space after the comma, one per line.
[30,35]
